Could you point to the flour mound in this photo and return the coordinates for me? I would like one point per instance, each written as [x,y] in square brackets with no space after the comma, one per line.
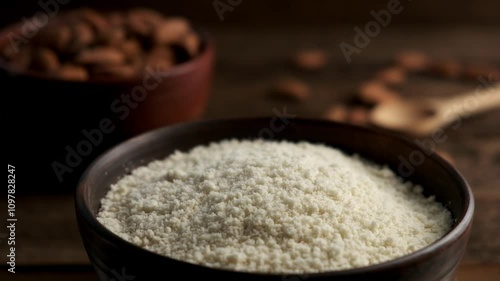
[273,207]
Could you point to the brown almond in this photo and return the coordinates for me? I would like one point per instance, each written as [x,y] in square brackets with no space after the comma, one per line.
[310,59]
[55,36]
[114,36]
[358,116]
[413,60]
[138,25]
[148,15]
[192,44]
[171,31]
[45,60]
[82,36]
[97,21]
[139,63]
[291,89]
[117,19]
[446,69]
[376,92]
[121,71]
[162,52]
[100,55]
[161,58]
[131,49]
[338,113]
[63,37]
[72,72]
[392,75]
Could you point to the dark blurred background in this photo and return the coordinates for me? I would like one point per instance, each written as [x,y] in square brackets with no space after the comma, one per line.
[290,12]
[255,41]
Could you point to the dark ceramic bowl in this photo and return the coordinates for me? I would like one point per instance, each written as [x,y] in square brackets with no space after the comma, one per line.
[110,254]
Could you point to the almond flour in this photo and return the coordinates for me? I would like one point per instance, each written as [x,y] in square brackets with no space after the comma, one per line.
[273,207]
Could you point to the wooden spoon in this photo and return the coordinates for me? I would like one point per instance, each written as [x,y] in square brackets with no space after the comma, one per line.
[424,116]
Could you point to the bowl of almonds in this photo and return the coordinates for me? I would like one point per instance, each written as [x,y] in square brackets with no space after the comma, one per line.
[137,68]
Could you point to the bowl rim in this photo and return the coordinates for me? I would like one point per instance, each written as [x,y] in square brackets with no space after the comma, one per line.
[460,224]
[207,51]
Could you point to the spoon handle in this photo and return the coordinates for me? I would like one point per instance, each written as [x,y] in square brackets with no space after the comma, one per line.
[477,101]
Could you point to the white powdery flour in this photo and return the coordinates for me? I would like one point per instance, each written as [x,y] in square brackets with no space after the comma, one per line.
[274,207]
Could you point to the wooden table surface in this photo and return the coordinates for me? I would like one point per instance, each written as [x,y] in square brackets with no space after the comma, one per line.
[249,60]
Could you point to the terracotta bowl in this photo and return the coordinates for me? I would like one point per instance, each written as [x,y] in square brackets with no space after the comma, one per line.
[179,94]
[110,254]
[57,111]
